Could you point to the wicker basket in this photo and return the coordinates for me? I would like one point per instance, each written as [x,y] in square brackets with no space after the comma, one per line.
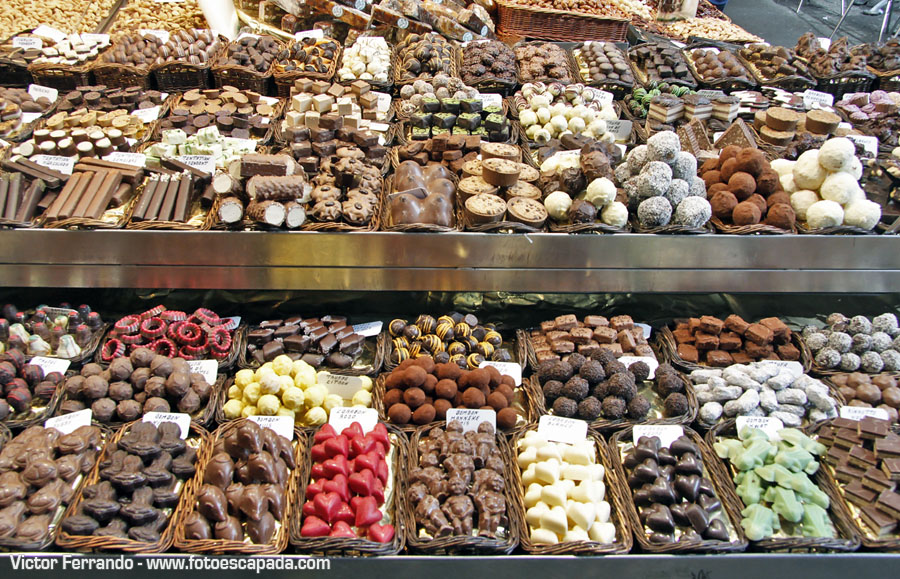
[60,76]
[566,26]
[115,218]
[36,414]
[175,102]
[886,80]
[489,83]
[640,76]
[367,364]
[14,74]
[617,517]
[242,77]
[727,84]
[198,438]
[397,69]
[13,544]
[847,82]
[539,404]
[457,545]
[222,546]
[804,229]
[671,229]
[850,512]
[89,349]
[180,76]
[571,68]
[668,349]
[758,229]
[120,75]
[285,80]
[201,218]
[714,471]
[846,539]
[395,509]
[619,89]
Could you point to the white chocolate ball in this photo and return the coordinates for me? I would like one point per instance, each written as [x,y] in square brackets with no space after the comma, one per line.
[864,214]
[601,192]
[782,166]
[837,154]
[823,214]
[808,173]
[801,201]
[615,214]
[557,204]
[839,187]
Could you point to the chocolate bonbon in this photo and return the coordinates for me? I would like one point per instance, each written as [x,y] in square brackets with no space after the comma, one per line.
[46,331]
[25,387]
[423,56]
[542,61]
[740,340]
[859,343]
[301,339]
[868,391]
[489,61]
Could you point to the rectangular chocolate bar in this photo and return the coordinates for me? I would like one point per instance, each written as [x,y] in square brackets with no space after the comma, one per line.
[859,495]
[880,523]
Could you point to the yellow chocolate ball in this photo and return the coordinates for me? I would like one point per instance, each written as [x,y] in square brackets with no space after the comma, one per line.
[243,377]
[315,417]
[235,392]
[366,383]
[282,365]
[315,396]
[249,411]
[293,398]
[332,401]
[268,405]
[232,409]
[270,384]
[287,412]
[362,397]
[251,393]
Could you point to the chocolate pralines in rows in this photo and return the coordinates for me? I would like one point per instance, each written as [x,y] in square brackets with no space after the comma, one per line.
[317,341]
[104,98]
[235,113]
[255,52]
[134,49]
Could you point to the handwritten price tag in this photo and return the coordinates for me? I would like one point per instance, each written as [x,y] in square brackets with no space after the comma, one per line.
[621,129]
[650,361]
[813,99]
[146,115]
[182,420]
[666,433]
[206,163]
[49,365]
[282,425]
[206,368]
[341,418]
[869,143]
[133,159]
[767,424]
[64,165]
[315,33]
[511,369]
[96,38]
[369,329]
[27,42]
[795,368]
[602,97]
[568,430]
[858,413]
[343,386]
[68,423]
[383,104]
[37,91]
[711,94]
[491,100]
[470,419]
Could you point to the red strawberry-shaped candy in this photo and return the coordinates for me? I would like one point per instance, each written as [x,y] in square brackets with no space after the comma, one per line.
[314,527]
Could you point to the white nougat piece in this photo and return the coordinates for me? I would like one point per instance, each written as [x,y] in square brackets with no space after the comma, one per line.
[576,534]
[547,471]
[533,494]
[555,520]
[540,536]
[581,514]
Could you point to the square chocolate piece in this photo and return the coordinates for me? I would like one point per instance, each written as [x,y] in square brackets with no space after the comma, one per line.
[627,341]
[711,325]
[581,335]
[730,341]
[859,495]
[736,324]
[788,352]
[688,353]
[595,321]
[588,349]
[605,335]
[562,346]
[871,428]
[759,334]
[619,323]
[706,341]
[683,336]
[778,327]
[614,348]
[566,322]
[719,359]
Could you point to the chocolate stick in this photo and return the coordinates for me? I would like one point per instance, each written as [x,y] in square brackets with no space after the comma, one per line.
[13,196]
[168,205]
[30,200]
[16,167]
[209,195]
[48,198]
[158,196]
[146,196]
[50,172]
[104,194]
[88,196]
[65,202]
[4,191]
[179,166]
[130,176]
[183,202]
[122,194]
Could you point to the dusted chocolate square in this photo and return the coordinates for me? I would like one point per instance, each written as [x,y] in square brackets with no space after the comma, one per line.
[788,352]
[644,350]
[547,326]
[777,326]
[566,322]
[614,348]
[741,357]
[605,335]
[683,336]
[719,359]
[759,334]
[619,323]
[562,346]
[544,356]
[688,353]
[757,351]
[711,325]
[627,341]
[296,343]
[694,324]
[581,335]
[736,324]
[706,341]
[595,321]
[589,348]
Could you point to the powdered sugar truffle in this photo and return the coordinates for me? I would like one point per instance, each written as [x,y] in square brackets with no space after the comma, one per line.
[886,323]
[840,341]
[871,362]
[830,358]
[850,362]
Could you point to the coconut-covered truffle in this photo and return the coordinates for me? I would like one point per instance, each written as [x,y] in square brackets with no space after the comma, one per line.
[557,205]
[723,204]
[830,358]
[663,146]
[861,342]
[850,362]
[615,214]
[678,190]
[782,166]
[638,407]
[654,212]
[840,341]
[817,341]
[886,323]
[836,154]
[614,408]
[808,173]
[880,341]
[822,214]
[862,213]
[891,360]
[859,325]
[676,404]
[684,167]
[802,200]
[839,187]
[692,212]
[871,362]
[697,187]
[787,183]
[589,409]
[600,192]
[654,179]
[565,407]
[636,159]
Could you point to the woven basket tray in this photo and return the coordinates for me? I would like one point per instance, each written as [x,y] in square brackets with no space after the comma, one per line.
[803,229]
[667,347]
[404,131]
[850,512]
[727,84]
[198,438]
[655,416]
[224,364]
[671,229]
[87,352]
[793,83]
[5,436]
[758,229]
[571,68]
[13,544]
[619,89]
[617,517]
[489,82]
[115,218]
[847,82]
[640,76]
[714,471]
[368,363]
[36,414]
[886,80]
[60,76]
[285,80]
[201,218]
[242,77]
[397,69]
[567,26]
[846,540]
[180,76]
[395,508]
[121,75]
[222,546]
[15,74]
[457,545]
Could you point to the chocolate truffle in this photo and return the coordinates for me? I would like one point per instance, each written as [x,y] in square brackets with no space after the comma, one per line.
[392,397]
[399,414]
[446,388]
[441,406]
[414,397]
[638,407]
[128,410]
[424,414]
[743,185]
[622,385]
[781,215]
[565,407]
[142,357]
[746,213]
[723,204]
[103,409]
[156,404]
[589,409]
[576,388]
[95,387]
[592,371]
[507,418]
[414,376]
[728,169]
[759,201]
[640,370]
[613,408]
[552,390]
[473,398]
[161,366]
[676,404]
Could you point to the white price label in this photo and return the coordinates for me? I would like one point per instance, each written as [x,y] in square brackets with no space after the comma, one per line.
[314,33]
[468,36]
[379,127]
[49,32]
[869,143]
[559,429]
[649,360]
[666,433]
[161,34]
[231,323]
[95,38]
[858,413]
[343,386]
[30,117]
[182,420]
[845,126]
[621,129]
[209,369]
[369,329]
[795,368]
[767,424]
[146,115]
[64,165]
[341,418]
[511,369]
[711,94]
[27,42]
[402,23]
[602,97]
[383,104]
[825,43]
[470,419]
[206,163]
[490,100]
[133,159]
[282,425]
[815,99]
[268,100]
[3,143]
[71,422]
[49,365]
[646,328]
[37,91]
[359,4]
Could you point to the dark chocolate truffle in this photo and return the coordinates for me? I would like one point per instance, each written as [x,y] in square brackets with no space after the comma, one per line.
[156,404]
[103,409]
[128,410]
[746,213]
[592,371]
[392,397]
[473,398]
[575,360]
[414,397]
[638,407]
[723,204]
[565,407]
[441,406]
[589,409]
[641,371]
[424,414]
[613,407]
[676,404]
[552,390]
[507,418]
[576,388]
[497,401]
[445,389]
[622,385]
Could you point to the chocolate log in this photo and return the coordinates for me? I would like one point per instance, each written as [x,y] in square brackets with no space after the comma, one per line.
[146,196]
[231,210]
[267,165]
[30,201]
[54,208]
[225,184]
[265,188]
[92,190]
[295,215]
[13,195]
[183,201]
[101,198]
[268,212]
